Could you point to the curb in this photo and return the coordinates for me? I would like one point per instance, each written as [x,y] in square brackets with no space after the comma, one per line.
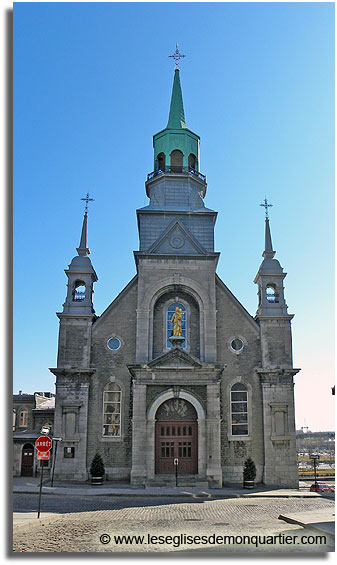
[201,494]
[306,525]
[31,524]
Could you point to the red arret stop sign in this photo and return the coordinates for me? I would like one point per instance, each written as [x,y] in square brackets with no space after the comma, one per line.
[43,444]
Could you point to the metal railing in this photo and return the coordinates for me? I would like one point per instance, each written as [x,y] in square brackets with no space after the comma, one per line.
[79,296]
[176,170]
[273,298]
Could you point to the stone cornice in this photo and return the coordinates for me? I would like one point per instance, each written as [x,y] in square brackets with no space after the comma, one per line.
[277,375]
[271,317]
[210,256]
[73,374]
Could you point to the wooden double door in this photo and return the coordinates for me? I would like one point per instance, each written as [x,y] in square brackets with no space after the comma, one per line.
[177,440]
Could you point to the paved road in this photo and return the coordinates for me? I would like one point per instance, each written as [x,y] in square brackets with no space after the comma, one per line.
[83,521]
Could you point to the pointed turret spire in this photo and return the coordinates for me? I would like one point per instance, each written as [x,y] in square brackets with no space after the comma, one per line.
[268,246]
[83,249]
[177,116]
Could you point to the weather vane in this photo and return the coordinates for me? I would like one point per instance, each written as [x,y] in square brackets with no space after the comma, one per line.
[177,56]
[87,200]
[266,206]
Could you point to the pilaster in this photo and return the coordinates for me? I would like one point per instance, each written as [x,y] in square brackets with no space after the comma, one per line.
[280,457]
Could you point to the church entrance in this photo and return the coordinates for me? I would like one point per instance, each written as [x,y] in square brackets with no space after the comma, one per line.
[27,460]
[176,437]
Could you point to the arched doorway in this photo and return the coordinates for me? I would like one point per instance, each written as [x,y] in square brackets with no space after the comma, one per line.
[27,459]
[176,437]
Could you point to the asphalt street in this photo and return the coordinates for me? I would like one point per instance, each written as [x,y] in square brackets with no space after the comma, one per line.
[93,524]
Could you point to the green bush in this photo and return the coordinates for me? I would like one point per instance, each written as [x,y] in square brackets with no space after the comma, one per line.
[249,470]
[97,466]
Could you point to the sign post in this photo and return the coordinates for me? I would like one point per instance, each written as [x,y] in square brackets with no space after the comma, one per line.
[176,463]
[43,445]
[55,439]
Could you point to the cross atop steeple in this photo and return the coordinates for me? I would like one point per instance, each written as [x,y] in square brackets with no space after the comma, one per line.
[266,206]
[83,249]
[177,56]
[87,200]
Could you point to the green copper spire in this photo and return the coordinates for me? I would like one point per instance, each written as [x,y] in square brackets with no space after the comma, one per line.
[176,145]
[177,117]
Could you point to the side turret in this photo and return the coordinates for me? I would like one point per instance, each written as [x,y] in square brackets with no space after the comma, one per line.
[81,277]
[270,281]
[272,312]
[78,311]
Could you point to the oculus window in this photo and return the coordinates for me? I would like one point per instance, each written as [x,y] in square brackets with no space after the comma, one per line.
[113,343]
[237,344]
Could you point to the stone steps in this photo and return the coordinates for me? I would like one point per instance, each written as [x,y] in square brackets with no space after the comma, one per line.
[183,481]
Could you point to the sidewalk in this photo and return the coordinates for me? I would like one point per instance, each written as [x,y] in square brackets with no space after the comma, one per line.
[31,485]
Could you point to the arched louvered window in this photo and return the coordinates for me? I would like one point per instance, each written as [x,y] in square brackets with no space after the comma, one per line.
[79,291]
[192,161]
[239,410]
[112,397]
[161,161]
[271,293]
[176,161]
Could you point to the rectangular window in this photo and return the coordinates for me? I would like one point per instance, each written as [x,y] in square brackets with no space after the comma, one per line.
[69,452]
[23,418]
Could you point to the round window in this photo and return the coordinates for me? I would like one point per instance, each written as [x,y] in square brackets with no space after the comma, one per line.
[113,343]
[237,344]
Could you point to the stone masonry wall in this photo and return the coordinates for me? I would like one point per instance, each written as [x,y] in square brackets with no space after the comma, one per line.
[119,320]
[233,322]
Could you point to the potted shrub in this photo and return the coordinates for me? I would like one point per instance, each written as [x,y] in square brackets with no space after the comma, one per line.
[249,473]
[97,470]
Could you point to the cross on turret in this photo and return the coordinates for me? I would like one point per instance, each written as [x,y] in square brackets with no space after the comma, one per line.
[266,206]
[87,200]
[177,56]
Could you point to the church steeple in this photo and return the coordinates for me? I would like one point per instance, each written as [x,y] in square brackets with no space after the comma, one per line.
[268,246]
[177,116]
[176,148]
[81,275]
[270,278]
[176,221]
[83,249]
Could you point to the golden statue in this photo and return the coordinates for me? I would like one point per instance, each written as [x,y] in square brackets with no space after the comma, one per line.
[176,321]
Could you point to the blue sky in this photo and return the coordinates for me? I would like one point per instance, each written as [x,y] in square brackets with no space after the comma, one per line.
[92,84]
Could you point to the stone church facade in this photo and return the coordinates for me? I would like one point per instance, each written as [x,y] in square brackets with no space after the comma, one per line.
[127,390]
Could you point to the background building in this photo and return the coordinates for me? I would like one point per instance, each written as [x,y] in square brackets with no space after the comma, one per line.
[31,412]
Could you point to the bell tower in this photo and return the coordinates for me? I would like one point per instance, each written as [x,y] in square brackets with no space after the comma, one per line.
[272,313]
[78,311]
[73,372]
[176,230]
[276,374]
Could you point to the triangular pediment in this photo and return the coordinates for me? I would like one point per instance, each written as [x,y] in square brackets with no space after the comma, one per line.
[176,358]
[177,239]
